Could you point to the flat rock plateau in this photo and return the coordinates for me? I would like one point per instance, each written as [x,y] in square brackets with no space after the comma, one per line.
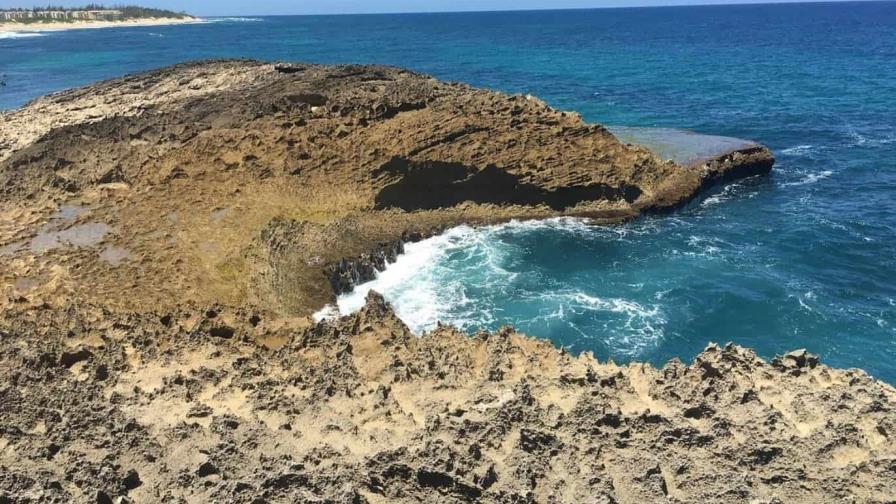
[165,236]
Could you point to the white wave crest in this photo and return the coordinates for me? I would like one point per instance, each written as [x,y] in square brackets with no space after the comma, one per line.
[17,35]
[433,281]
[232,20]
[408,283]
[641,326]
[869,139]
[727,192]
[573,225]
[798,150]
[805,301]
[328,312]
[706,246]
[810,178]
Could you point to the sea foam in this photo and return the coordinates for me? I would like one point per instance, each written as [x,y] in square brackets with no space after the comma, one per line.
[478,278]
[411,283]
[810,178]
[232,20]
[17,35]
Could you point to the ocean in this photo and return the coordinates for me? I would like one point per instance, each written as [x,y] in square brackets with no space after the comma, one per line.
[804,258]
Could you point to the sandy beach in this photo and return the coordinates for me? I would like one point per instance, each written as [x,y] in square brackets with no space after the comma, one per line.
[77,25]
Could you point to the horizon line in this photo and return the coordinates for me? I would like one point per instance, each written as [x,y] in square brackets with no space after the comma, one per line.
[561,9]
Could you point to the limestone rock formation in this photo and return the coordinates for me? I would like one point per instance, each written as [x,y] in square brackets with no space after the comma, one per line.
[227,405]
[163,237]
[190,169]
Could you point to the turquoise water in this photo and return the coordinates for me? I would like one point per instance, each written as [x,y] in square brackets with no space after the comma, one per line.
[803,258]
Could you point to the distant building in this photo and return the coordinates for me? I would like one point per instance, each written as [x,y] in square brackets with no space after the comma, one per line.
[62,15]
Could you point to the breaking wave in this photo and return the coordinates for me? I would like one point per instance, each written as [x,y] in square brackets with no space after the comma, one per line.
[233,20]
[810,178]
[17,35]
[798,150]
[482,278]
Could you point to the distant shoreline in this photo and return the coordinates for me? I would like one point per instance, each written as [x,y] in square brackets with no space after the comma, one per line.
[77,25]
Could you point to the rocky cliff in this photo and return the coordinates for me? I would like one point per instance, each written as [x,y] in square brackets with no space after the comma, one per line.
[190,171]
[226,405]
[165,235]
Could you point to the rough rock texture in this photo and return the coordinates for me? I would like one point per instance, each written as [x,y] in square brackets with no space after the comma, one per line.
[163,237]
[222,405]
[193,167]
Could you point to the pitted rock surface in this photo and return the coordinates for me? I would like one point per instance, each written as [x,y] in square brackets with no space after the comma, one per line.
[189,170]
[361,410]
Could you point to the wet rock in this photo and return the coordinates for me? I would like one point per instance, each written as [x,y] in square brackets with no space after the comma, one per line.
[349,272]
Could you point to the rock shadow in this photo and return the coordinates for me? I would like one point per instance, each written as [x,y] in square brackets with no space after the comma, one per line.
[429,185]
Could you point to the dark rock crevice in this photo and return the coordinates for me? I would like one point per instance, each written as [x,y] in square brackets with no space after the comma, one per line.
[352,271]
[430,185]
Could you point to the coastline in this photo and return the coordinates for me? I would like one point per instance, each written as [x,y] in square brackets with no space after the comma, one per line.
[81,25]
[201,398]
[171,230]
[332,237]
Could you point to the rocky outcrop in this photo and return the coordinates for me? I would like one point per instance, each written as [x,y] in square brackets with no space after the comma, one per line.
[168,407]
[349,272]
[189,165]
[168,357]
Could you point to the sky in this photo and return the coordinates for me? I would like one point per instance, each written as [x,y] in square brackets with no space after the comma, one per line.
[275,7]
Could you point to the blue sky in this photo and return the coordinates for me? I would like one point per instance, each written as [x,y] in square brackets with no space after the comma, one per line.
[272,7]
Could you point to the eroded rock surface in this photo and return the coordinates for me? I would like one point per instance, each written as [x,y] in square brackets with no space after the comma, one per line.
[228,405]
[165,235]
[190,168]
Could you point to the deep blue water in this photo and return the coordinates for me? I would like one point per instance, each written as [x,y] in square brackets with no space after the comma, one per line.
[803,258]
